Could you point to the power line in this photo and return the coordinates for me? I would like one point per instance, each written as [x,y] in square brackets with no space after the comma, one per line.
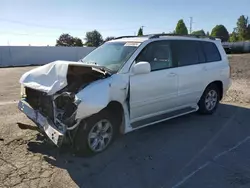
[30,24]
[129,29]
[29,34]
[59,27]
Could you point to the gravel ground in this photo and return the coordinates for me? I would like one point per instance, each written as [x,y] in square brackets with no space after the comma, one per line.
[190,151]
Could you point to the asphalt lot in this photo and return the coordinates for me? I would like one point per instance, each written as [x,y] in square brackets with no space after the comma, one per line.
[190,151]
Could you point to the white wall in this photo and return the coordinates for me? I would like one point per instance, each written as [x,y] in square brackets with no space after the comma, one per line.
[31,55]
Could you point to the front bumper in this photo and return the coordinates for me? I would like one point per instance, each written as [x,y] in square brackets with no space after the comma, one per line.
[44,124]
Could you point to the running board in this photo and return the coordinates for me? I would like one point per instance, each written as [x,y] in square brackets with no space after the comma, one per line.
[162,117]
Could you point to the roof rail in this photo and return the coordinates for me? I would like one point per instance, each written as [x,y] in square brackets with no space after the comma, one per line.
[131,36]
[124,37]
[153,36]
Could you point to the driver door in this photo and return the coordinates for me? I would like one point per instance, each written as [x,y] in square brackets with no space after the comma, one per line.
[154,93]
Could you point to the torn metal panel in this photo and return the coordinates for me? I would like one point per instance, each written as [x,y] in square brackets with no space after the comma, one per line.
[65,93]
[55,76]
[49,78]
[99,94]
[45,125]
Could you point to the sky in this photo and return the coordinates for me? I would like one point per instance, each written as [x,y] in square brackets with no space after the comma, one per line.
[41,22]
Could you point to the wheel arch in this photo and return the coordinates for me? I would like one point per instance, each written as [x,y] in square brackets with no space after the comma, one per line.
[117,108]
[219,85]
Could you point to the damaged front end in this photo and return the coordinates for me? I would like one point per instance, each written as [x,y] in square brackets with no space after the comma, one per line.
[53,106]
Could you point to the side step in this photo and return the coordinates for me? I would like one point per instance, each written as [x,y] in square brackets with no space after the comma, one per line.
[163,117]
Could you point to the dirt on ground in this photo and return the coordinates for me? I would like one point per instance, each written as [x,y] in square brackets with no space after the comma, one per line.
[170,154]
[240,72]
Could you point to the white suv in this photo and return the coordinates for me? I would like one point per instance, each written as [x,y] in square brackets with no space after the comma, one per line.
[125,84]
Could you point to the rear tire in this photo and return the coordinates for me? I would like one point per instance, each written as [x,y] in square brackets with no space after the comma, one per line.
[95,134]
[209,100]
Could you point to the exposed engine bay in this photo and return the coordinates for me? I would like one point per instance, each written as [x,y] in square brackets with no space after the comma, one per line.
[61,107]
[78,77]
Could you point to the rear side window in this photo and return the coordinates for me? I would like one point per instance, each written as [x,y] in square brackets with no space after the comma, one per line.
[188,52]
[211,51]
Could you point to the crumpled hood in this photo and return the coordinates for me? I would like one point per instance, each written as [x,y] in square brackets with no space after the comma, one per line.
[49,78]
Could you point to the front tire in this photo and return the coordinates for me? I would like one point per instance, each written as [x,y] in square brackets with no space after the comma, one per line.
[209,100]
[96,134]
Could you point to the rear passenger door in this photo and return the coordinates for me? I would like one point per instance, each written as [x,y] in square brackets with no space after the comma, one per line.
[189,56]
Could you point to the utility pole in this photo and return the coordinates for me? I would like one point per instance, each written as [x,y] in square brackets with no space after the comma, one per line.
[191,24]
[142,28]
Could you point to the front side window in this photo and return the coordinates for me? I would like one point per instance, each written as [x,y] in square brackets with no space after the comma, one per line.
[158,54]
[111,55]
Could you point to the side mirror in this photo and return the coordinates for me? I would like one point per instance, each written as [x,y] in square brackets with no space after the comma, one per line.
[142,67]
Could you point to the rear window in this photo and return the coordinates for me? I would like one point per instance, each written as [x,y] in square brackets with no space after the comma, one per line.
[211,52]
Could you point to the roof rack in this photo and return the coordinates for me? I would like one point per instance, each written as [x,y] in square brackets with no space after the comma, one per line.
[124,37]
[131,36]
[153,36]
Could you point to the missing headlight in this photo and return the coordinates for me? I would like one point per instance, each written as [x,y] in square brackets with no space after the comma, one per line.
[66,107]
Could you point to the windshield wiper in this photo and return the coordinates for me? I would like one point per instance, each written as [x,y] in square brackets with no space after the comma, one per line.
[90,62]
[102,68]
[105,69]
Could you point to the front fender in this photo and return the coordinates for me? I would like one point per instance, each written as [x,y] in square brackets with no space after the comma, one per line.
[98,94]
[93,98]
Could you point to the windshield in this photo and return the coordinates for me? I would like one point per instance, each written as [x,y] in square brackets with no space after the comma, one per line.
[111,55]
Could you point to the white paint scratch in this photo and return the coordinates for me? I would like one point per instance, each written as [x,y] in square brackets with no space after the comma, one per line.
[3,103]
[209,162]
[208,143]
[191,174]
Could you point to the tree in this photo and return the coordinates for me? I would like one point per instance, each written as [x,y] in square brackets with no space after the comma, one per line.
[220,31]
[199,32]
[68,40]
[181,28]
[233,37]
[65,40]
[207,33]
[243,28]
[93,39]
[172,32]
[140,32]
[109,38]
[77,42]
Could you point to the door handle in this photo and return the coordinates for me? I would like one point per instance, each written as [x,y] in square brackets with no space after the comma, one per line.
[171,74]
[204,68]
